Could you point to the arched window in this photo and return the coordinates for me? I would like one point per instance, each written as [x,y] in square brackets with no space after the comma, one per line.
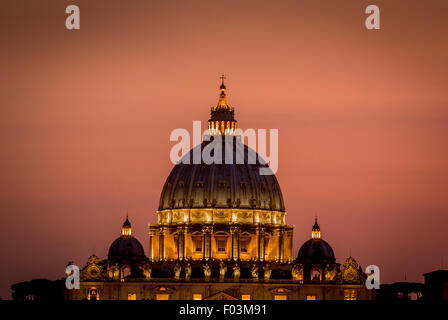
[126,271]
[93,294]
[315,274]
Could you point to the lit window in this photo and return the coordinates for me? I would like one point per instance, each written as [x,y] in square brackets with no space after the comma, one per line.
[197,244]
[197,296]
[162,296]
[132,296]
[280,297]
[350,294]
[245,297]
[244,244]
[221,243]
[310,297]
[93,294]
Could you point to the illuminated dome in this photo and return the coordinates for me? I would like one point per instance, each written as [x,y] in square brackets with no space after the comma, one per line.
[239,186]
[126,247]
[221,202]
[316,250]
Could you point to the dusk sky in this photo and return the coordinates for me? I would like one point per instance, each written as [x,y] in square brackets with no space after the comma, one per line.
[87,114]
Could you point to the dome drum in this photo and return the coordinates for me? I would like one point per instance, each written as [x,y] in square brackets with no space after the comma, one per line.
[220,216]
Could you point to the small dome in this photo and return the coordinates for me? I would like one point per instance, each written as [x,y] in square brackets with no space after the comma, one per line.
[126,248]
[316,250]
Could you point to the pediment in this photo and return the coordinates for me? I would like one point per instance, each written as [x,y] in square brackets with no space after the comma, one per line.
[221,296]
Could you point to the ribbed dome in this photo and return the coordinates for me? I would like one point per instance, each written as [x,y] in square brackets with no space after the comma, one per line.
[222,185]
[126,248]
[316,250]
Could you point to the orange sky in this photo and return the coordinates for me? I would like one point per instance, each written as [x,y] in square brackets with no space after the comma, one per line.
[86,117]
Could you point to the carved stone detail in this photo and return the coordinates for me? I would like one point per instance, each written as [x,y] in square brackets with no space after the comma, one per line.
[351,272]
[236,272]
[93,271]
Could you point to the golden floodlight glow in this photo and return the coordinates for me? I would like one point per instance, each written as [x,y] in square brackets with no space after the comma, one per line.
[315,234]
[126,230]
[315,231]
[222,120]
[132,296]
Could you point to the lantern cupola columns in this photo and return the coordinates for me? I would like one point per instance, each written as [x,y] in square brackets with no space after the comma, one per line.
[222,119]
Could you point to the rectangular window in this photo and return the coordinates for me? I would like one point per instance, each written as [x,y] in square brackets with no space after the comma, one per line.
[221,243]
[198,244]
[132,296]
[244,243]
[162,296]
[350,294]
[310,297]
[197,296]
[280,297]
[245,297]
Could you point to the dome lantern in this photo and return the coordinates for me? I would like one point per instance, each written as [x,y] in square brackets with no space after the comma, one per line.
[126,230]
[222,119]
[315,231]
